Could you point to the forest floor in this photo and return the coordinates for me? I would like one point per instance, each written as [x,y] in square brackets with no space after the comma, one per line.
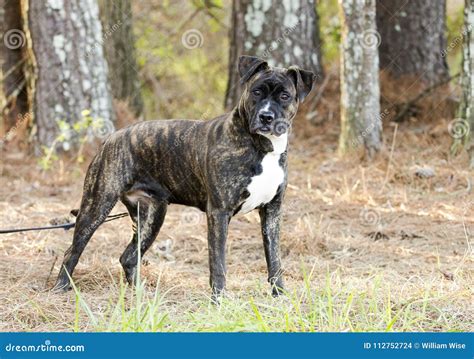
[364,247]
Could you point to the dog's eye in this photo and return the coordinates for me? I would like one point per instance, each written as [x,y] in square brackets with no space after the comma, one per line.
[284,97]
[257,93]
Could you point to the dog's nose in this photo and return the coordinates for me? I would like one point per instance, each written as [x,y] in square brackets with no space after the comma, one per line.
[266,117]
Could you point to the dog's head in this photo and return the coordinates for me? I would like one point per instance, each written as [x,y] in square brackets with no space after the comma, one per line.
[271,95]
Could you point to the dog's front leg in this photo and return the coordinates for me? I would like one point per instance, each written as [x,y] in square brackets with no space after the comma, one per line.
[270,221]
[217,226]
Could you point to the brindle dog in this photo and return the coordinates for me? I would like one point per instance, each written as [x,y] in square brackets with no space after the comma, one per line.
[232,164]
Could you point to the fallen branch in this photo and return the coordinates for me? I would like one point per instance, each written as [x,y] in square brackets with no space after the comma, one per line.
[319,94]
[409,104]
[14,68]
[185,22]
[12,97]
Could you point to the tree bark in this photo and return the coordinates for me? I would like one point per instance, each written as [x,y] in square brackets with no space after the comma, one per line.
[70,71]
[119,46]
[284,33]
[12,49]
[360,93]
[413,40]
[462,128]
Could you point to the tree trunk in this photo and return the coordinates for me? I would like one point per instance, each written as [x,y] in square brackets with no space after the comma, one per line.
[360,93]
[462,128]
[284,33]
[413,38]
[70,70]
[12,48]
[119,46]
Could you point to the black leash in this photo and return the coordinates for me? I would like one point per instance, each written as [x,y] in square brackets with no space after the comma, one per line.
[65,226]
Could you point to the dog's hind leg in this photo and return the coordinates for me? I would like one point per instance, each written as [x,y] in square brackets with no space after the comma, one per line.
[98,199]
[152,214]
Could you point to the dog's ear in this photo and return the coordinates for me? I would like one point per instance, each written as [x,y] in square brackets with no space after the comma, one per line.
[303,81]
[249,66]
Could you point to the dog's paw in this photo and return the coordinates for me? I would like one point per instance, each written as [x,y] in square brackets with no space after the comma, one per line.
[61,287]
[278,290]
[218,296]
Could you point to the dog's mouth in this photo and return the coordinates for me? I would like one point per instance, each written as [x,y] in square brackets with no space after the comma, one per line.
[277,129]
[264,130]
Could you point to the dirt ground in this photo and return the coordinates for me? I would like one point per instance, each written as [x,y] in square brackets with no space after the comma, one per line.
[340,215]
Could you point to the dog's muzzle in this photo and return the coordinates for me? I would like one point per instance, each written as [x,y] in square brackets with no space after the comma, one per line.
[266,124]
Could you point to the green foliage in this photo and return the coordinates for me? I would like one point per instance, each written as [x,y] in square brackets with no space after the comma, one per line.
[178,79]
[80,132]
[48,156]
[455,27]
[330,28]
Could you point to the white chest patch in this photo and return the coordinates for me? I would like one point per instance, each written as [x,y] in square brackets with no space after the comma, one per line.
[263,187]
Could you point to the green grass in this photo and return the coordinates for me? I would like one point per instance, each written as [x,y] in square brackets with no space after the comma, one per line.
[329,306]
